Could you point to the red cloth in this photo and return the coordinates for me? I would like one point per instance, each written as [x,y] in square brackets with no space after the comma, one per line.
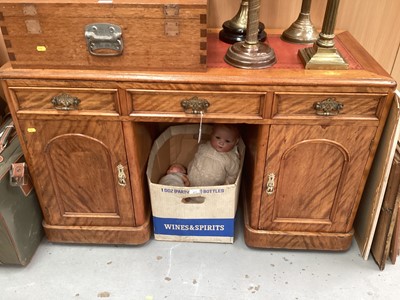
[286,53]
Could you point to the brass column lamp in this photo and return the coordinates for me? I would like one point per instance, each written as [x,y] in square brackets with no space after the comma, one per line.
[323,54]
[234,30]
[302,31]
[251,54]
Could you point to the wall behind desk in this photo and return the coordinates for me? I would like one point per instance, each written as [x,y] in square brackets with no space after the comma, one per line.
[373,23]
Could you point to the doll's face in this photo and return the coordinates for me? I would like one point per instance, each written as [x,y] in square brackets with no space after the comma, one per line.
[176,168]
[223,139]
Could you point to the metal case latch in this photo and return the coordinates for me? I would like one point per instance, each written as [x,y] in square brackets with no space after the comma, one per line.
[104,39]
[171,10]
[18,174]
[171,23]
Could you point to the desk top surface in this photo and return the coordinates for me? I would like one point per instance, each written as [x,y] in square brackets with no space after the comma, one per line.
[363,69]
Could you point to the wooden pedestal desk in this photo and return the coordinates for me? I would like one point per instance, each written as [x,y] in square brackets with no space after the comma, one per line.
[87,135]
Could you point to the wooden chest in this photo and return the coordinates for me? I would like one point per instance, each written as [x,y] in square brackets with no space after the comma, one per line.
[106,34]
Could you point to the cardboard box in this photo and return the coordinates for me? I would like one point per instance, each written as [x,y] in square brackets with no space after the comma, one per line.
[160,35]
[195,214]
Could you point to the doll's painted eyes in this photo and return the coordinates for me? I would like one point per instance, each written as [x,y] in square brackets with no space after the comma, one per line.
[226,141]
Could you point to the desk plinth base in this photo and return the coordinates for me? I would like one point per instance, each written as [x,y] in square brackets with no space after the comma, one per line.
[328,241]
[99,234]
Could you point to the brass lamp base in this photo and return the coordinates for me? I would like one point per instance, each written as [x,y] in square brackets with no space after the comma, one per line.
[302,31]
[250,56]
[231,34]
[322,58]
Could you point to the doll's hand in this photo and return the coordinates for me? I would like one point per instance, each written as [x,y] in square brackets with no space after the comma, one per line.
[185,179]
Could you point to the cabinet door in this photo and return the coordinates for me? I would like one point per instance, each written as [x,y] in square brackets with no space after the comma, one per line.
[314,176]
[80,171]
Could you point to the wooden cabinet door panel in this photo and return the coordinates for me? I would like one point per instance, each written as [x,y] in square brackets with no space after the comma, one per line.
[75,165]
[317,175]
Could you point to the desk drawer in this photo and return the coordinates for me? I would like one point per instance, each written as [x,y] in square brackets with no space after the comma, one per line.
[188,102]
[327,105]
[47,100]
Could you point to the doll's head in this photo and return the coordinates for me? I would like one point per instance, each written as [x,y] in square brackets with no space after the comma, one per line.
[224,137]
[176,168]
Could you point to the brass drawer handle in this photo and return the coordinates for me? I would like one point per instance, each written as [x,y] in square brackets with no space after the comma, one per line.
[270,184]
[328,107]
[65,102]
[195,105]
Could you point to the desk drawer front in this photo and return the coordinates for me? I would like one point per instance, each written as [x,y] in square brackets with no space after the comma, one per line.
[327,105]
[240,104]
[66,100]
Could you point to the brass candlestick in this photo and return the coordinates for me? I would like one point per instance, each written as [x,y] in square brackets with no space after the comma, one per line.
[323,54]
[302,31]
[251,54]
[234,30]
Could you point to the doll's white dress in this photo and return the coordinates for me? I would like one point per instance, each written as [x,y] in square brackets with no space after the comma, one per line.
[210,167]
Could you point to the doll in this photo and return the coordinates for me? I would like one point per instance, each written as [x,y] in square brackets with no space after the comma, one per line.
[176,176]
[216,162]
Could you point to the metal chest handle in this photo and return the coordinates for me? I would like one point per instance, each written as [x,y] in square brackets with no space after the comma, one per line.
[104,36]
